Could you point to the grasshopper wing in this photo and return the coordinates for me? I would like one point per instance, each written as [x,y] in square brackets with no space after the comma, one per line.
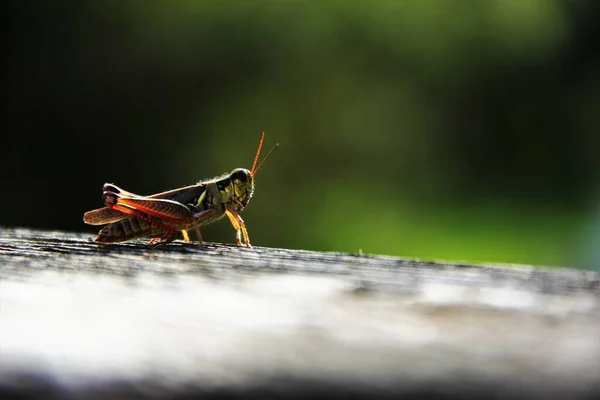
[123,204]
[164,209]
[104,215]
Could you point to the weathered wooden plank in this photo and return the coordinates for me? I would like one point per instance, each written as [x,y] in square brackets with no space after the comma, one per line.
[128,320]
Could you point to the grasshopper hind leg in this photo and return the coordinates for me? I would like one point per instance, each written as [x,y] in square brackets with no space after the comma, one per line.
[168,237]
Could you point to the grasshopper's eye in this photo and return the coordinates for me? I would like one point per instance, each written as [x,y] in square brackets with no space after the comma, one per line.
[240,174]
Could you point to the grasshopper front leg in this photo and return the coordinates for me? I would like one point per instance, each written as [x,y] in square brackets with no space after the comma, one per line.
[239,226]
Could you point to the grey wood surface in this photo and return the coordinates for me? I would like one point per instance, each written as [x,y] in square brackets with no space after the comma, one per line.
[80,320]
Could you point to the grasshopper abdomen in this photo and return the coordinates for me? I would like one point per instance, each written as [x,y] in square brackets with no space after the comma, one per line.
[127,229]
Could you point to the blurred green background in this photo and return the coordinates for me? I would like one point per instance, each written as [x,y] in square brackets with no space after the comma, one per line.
[459,130]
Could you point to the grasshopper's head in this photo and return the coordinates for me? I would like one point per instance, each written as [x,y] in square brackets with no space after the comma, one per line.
[243,187]
[243,179]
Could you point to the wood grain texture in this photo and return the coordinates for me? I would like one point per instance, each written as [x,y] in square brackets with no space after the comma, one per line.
[80,320]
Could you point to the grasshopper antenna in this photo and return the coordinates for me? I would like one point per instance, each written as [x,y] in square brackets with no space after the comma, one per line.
[255,169]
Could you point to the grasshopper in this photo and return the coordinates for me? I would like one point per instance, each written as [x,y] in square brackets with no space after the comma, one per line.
[129,216]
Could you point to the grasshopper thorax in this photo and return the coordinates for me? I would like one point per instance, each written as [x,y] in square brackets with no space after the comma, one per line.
[243,186]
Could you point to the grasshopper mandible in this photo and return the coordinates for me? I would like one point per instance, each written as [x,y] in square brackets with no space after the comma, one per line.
[129,216]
